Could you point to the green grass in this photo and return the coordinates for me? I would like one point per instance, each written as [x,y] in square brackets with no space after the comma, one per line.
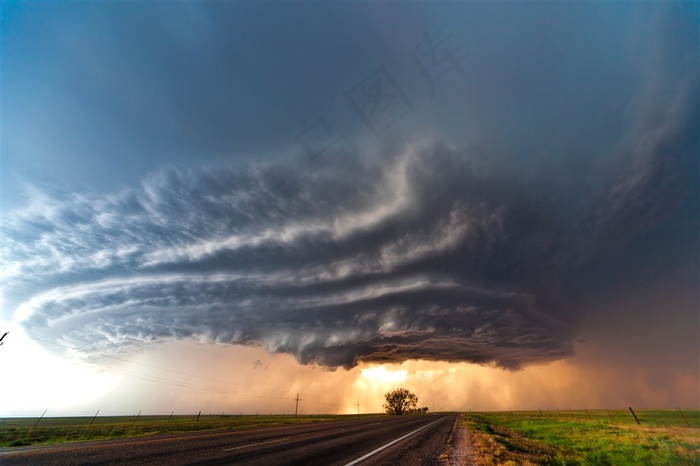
[650,418]
[593,438]
[20,431]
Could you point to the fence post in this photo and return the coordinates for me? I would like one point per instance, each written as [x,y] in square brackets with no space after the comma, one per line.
[40,418]
[94,417]
[635,416]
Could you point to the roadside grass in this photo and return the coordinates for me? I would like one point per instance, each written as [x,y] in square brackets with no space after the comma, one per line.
[586,438]
[20,432]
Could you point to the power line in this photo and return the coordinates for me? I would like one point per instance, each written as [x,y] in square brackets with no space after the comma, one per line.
[154,367]
[177,383]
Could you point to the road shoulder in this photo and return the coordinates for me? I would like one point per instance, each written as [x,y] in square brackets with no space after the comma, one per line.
[460,449]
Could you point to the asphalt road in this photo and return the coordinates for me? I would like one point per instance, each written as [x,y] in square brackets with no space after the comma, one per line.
[404,440]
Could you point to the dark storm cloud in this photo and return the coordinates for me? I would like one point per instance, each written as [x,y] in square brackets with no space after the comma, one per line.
[567,140]
[432,252]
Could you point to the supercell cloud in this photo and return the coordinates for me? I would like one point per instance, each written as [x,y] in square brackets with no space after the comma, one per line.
[431,253]
[432,245]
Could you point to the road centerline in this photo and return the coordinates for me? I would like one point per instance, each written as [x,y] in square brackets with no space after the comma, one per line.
[374,452]
[256,444]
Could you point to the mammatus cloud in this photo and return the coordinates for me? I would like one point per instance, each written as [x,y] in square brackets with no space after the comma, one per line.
[431,252]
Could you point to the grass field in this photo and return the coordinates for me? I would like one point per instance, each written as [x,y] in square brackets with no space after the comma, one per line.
[20,431]
[586,438]
[504,438]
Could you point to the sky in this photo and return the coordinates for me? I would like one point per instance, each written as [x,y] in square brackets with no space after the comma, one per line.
[218,206]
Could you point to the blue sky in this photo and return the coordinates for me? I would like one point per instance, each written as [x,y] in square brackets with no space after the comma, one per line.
[355,183]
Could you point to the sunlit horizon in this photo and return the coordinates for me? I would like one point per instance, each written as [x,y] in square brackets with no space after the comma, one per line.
[267,384]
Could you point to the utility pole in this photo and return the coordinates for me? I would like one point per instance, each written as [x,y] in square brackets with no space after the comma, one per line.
[40,418]
[93,419]
[296,408]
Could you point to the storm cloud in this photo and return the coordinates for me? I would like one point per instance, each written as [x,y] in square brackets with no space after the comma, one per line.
[432,253]
[479,228]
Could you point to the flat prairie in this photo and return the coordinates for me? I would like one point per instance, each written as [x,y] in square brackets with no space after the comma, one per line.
[49,430]
[593,437]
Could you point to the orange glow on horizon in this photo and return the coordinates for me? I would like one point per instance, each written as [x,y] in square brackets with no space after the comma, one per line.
[237,379]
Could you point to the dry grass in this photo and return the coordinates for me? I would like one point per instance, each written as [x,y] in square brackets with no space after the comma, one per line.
[497,445]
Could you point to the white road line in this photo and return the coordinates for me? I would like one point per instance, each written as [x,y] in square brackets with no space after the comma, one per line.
[372,453]
[256,444]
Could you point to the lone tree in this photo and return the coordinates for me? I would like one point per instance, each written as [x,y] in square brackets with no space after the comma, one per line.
[400,401]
